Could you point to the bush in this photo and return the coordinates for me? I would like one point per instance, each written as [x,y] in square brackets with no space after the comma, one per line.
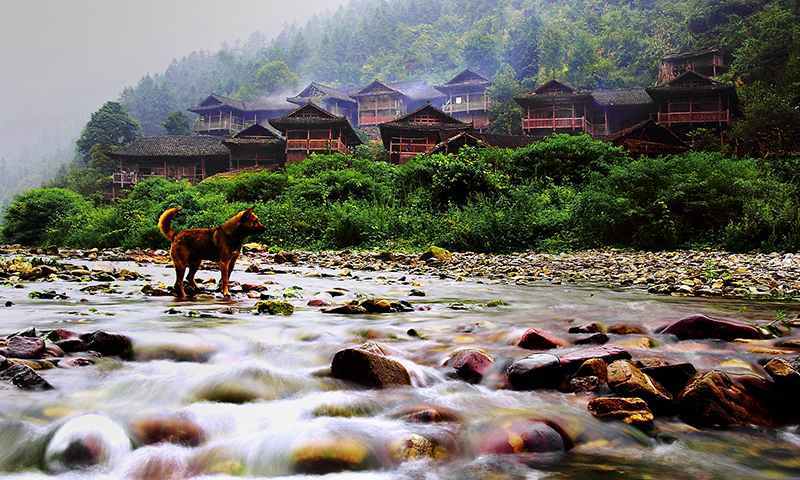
[564,159]
[681,200]
[247,187]
[42,216]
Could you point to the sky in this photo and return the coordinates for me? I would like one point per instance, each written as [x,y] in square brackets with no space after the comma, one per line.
[62,59]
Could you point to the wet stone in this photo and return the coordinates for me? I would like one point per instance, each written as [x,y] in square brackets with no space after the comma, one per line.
[596,339]
[536,371]
[274,307]
[633,411]
[593,327]
[176,430]
[700,327]
[571,361]
[672,377]
[326,456]
[521,436]
[470,364]
[626,329]
[587,384]
[784,374]
[626,379]
[24,378]
[714,399]
[595,367]
[24,347]
[536,339]
[428,414]
[369,369]
[109,344]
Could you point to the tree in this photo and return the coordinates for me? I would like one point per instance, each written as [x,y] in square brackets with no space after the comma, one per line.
[275,76]
[177,123]
[523,45]
[505,113]
[110,126]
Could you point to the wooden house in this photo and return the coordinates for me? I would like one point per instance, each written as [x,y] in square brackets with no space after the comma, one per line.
[224,116]
[692,100]
[481,140]
[615,110]
[466,98]
[381,102]
[419,132]
[312,129]
[175,157]
[336,101]
[709,62]
[257,146]
[556,107]
[649,138]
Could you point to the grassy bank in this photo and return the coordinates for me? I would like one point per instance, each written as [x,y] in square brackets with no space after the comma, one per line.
[562,193]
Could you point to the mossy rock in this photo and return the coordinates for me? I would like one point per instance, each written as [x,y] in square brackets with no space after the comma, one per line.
[438,253]
[275,307]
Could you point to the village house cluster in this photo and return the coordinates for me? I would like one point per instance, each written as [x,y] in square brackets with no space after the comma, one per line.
[413,118]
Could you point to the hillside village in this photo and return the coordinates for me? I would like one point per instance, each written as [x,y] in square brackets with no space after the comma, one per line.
[411,118]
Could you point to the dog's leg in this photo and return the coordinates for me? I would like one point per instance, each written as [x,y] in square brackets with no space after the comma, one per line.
[224,274]
[193,268]
[180,270]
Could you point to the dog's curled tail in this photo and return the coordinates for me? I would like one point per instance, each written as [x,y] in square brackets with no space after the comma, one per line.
[165,223]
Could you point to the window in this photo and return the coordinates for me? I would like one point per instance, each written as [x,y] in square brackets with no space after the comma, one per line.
[459,100]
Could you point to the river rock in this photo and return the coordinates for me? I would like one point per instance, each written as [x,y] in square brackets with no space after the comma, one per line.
[286,257]
[24,347]
[332,455]
[109,344]
[595,339]
[700,327]
[437,253]
[428,414]
[571,361]
[672,377]
[536,339]
[24,378]
[784,374]
[633,411]
[521,436]
[321,300]
[626,379]
[469,363]
[540,370]
[275,307]
[626,329]
[179,430]
[593,327]
[416,447]
[368,368]
[715,399]
[84,442]
[594,367]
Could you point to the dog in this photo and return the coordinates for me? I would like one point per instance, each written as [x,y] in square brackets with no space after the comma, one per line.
[221,244]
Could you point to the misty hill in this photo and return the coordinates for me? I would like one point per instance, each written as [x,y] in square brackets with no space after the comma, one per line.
[589,43]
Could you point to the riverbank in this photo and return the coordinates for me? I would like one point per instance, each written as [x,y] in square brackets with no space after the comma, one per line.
[677,273]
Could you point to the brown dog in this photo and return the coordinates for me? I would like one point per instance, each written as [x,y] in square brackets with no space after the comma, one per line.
[220,244]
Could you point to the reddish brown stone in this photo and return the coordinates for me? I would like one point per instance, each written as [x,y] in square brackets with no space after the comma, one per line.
[470,364]
[369,369]
[633,411]
[699,327]
[535,339]
[715,399]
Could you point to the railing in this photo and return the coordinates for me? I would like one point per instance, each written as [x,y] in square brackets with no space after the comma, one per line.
[367,119]
[334,145]
[478,105]
[575,123]
[410,148]
[722,116]
[125,179]
[234,125]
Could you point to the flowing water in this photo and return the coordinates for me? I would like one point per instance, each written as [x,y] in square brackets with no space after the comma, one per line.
[275,367]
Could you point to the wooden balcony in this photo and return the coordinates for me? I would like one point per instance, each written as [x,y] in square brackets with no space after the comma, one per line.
[223,124]
[671,118]
[316,145]
[554,123]
[473,105]
[368,119]
[129,179]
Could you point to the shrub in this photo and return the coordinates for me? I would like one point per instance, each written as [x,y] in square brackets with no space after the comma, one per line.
[42,216]
[247,187]
[564,159]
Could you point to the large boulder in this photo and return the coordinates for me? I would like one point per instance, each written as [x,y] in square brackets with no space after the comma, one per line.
[626,379]
[715,399]
[469,363]
[85,442]
[536,339]
[540,370]
[368,368]
[673,377]
[701,327]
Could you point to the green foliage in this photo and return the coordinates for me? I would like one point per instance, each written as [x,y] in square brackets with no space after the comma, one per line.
[42,216]
[177,123]
[564,159]
[505,114]
[109,126]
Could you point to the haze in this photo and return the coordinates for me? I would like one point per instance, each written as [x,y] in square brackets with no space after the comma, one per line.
[63,58]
